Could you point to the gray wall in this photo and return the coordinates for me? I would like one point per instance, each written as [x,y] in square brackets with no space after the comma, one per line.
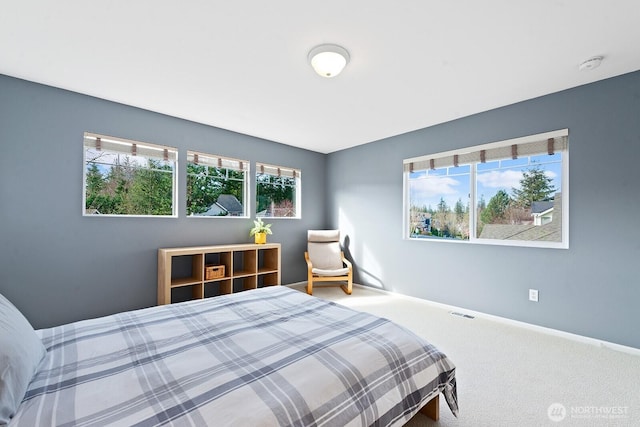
[591,289]
[58,266]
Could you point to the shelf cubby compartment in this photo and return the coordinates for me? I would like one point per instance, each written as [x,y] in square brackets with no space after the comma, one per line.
[245,283]
[187,293]
[268,260]
[268,279]
[219,258]
[186,270]
[245,262]
[217,288]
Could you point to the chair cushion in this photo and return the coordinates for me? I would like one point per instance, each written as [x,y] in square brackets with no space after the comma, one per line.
[339,272]
[21,351]
[325,256]
[323,235]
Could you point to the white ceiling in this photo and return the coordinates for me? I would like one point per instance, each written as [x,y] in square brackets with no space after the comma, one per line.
[242,65]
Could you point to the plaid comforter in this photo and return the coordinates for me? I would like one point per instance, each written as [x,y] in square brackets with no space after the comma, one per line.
[267,357]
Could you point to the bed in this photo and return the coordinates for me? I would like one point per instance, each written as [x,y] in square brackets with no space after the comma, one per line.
[266,357]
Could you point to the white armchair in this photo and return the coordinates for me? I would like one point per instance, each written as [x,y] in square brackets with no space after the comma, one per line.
[326,261]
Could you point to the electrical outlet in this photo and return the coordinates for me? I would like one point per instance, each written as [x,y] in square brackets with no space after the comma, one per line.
[533,295]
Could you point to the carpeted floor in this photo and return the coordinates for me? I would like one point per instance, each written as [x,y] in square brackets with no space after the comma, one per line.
[511,376]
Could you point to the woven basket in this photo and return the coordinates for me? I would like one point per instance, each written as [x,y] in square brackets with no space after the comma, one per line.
[213,272]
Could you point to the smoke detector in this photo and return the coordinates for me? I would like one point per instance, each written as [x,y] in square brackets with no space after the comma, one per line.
[591,63]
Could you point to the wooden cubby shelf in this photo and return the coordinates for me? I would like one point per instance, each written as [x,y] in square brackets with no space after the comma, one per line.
[182,275]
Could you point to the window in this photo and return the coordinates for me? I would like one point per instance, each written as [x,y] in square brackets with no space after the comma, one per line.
[123,177]
[216,186]
[512,192]
[277,191]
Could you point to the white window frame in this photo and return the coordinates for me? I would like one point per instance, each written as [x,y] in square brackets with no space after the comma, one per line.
[266,169]
[123,146]
[473,201]
[223,162]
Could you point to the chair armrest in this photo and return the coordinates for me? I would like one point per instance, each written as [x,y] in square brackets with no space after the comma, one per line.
[309,264]
[346,261]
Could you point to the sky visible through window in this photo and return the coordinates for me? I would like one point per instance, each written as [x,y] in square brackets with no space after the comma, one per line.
[428,187]
[506,174]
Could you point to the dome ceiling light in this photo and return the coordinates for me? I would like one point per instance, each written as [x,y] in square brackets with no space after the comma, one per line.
[328,60]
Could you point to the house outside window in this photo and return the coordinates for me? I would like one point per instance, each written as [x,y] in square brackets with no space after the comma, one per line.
[128,178]
[511,192]
[216,186]
[277,191]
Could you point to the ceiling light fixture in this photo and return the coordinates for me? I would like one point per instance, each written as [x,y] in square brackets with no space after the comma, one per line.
[591,63]
[328,59]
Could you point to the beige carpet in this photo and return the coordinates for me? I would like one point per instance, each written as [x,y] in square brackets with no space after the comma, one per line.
[512,376]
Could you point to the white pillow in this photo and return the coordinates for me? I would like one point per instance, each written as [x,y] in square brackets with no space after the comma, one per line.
[21,351]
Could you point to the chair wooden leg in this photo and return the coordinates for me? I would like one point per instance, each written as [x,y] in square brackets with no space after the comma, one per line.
[346,289]
[309,274]
[349,287]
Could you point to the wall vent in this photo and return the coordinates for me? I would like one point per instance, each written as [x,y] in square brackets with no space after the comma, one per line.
[466,316]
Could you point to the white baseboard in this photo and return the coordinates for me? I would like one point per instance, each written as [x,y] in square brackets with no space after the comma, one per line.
[304,283]
[549,331]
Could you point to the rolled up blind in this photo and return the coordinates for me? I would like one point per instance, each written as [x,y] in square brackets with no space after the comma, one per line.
[125,146]
[265,169]
[217,161]
[547,143]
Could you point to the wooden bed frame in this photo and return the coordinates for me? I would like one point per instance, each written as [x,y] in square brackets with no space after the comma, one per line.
[432,408]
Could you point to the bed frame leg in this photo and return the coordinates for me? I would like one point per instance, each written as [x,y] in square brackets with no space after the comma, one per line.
[432,408]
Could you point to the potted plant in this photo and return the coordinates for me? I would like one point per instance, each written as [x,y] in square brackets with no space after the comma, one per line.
[260,231]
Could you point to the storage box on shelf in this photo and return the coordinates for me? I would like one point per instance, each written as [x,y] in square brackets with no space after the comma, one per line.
[213,272]
[205,271]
